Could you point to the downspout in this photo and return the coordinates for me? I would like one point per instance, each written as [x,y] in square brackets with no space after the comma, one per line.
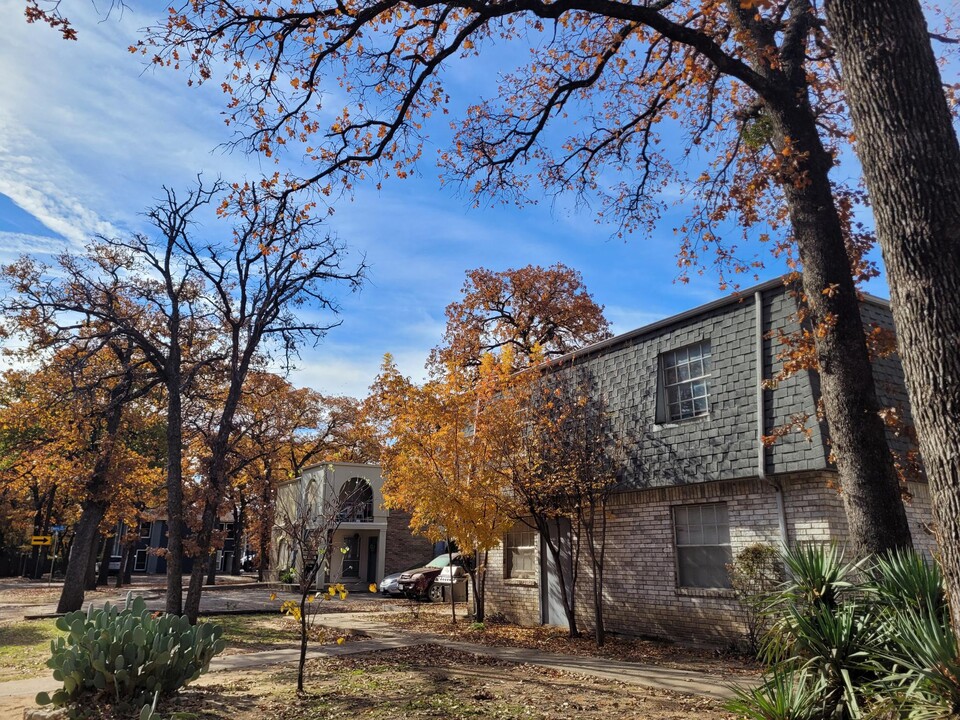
[761,448]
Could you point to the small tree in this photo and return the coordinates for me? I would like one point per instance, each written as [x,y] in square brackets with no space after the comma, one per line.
[755,573]
[439,461]
[588,459]
[308,515]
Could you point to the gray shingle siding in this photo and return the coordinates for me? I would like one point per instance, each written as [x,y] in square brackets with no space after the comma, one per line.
[722,445]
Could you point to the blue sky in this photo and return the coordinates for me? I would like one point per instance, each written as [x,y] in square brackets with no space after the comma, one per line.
[88,137]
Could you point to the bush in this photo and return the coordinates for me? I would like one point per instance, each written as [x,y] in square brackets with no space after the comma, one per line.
[288,576]
[127,658]
[755,573]
[865,640]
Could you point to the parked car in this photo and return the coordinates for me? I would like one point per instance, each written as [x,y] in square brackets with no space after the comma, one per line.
[419,583]
[113,565]
[247,562]
[390,585]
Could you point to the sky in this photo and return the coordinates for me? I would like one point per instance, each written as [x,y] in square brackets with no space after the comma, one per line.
[89,136]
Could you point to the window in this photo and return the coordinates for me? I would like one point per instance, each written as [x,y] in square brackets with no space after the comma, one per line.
[702,534]
[140,561]
[356,501]
[685,381]
[519,553]
[145,529]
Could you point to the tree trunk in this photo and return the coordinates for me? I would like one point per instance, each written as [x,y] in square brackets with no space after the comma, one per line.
[84,538]
[104,575]
[567,590]
[216,479]
[911,160]
[212,569]
[41,524]
[263,555]
[239,530]
[174,598]
[90,582]
[125,553]
[131,559]
[869,485]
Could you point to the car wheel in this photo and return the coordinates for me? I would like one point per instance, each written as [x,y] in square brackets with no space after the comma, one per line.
[435,592]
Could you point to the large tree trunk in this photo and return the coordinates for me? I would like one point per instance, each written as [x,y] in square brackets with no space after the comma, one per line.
[174,556]
[870,489]
[216,479]
[911,159]
[85,537]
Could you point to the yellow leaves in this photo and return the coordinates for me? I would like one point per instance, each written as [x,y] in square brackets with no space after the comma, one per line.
[291,608]
[273,596]
[372,587]
[340,640]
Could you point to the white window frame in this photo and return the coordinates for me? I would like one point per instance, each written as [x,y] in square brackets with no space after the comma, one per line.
[699,531]
[140,560]
[685,381]
[520,548]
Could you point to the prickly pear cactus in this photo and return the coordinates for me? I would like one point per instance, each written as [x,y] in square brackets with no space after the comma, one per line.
[127,657]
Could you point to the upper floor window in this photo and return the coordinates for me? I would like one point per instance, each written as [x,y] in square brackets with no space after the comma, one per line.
[356,501]
[686,374]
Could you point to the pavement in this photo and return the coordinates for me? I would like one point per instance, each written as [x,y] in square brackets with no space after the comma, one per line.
[381,636]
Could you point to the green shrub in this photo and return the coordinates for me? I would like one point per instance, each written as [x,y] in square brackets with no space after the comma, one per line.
[848,641]
[755,573]
[288,576]
[127,658]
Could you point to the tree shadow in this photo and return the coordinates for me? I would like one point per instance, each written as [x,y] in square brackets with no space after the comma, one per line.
[24,634]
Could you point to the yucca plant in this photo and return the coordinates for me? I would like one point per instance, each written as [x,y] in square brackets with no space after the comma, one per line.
[818,579]
[818,574]
[787,694]
[924,678]
[906,580]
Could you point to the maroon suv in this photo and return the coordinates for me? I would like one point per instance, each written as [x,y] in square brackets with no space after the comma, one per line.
[419,582]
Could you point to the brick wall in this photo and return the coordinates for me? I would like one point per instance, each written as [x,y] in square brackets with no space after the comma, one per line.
[641,593]
[404,550]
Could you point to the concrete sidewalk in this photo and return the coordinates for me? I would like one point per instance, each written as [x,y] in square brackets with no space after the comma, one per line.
[385,637]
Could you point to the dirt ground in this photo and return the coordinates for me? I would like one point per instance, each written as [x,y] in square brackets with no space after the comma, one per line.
[436,619]
[431,682]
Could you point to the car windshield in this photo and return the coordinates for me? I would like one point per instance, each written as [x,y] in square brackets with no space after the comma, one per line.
[440,561]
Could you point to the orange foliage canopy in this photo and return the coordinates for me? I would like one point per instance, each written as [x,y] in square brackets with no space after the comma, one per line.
[530,311]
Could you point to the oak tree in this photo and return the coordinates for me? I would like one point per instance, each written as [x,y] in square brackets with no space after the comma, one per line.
[532,310]
[749,85]
[907,143]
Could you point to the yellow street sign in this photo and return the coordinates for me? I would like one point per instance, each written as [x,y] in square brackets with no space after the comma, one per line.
[41,539]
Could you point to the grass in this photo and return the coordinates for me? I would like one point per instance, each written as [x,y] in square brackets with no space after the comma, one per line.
[250,633]
[25,647]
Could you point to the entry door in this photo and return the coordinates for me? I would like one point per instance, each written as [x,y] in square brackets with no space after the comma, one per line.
[372,558]
[351,559]
[552,601]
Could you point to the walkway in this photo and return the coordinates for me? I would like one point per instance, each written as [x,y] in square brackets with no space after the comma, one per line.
[384,637]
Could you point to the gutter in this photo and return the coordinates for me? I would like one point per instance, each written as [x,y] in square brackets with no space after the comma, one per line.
[761,448]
